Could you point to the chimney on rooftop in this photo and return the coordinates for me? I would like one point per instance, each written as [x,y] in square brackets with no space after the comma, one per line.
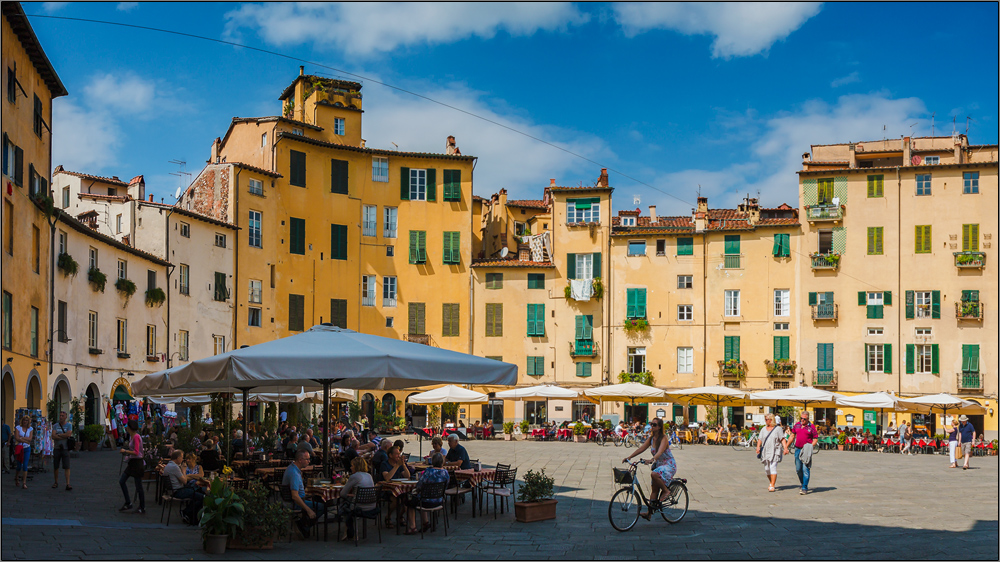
[150,197]
[652,213]
[603,180]
[701,215]
[302,71]
[552,182]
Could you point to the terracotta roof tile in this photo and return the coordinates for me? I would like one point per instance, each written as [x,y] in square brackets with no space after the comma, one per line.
[374,150]
[191,214]
[634,213]
[527,203]
[580,188]
[480,199]
[512,263]
[255,169]
[80,227]
[112,180]
[98,196]
[826,162]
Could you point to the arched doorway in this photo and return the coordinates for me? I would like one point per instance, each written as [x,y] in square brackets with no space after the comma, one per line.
[368,408]
[9,395]
[62,395]
[416,414]
[92,405]
[389,405]
[33,394]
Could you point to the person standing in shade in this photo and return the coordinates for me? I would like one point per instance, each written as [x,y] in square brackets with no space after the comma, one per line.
[6,447]
[803,433]
[23,437]
[61,432]
[134,469]
[966,434]
[769,449]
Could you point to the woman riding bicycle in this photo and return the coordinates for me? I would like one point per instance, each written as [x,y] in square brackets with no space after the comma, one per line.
[664,466]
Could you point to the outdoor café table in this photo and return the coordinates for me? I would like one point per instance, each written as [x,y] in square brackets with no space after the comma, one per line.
[475,478]
[331,498]
[826,441]
[593,434]
[536,433]
[567,433]
[398,488]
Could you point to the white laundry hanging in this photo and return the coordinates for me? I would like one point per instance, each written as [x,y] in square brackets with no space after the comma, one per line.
[537,250]
[581,289]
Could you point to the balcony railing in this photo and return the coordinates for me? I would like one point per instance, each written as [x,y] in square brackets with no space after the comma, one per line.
[970,381]
[369,229]
[825,261]
[388,301]
[389,232]
[816,213]
[824,311]
[780,368]
[732,261]
[733,369]
[418,338]
[970,260]
[826,379]
[582,348]
[969,310]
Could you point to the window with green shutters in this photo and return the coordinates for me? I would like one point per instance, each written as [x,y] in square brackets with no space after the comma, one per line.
[583,266]
[970,237]
[450,319]
[824,191]
[583,369]
[782,246]
[732,244]
[584,334]
[494,280]
[452,185]
[536,366]
[874,302]
[494,320]
[338,241]
[824,357]
[685,246]
[418,246]
[338,176]
[221,292]
[912,304]
[297,168]
[636,303]
[970,359]
[536,320]
[875,185]
[296,312]
[781,351]
[416,318]
[452,248]
[732,348]
[536,280]
[916,357]
[338,312]
[922,239]
[875,240]
[297,236]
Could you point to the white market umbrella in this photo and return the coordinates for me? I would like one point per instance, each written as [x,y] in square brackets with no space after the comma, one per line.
[800,396]
[881,401]
[717,396]
[626,392]
[447,393]
[545,391]
[944,404]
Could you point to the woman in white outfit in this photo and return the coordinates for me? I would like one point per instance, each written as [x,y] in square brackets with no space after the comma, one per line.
[952,442]
[769,449]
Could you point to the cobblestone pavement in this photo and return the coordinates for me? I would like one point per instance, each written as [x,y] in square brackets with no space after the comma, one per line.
[864,505]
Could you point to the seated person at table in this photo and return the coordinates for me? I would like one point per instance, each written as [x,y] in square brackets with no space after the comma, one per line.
[360,478]
[433,475]
[392,467]
[191,466]
[620,429]
[380,456]
[304,444]
[312,438]
[293,479]
[292,445]
[349,453]
[237,442]
[457,457]
[184,487]
[210,458]
[436,447]
[399,443]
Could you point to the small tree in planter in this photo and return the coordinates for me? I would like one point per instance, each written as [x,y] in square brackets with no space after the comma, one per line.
[525,426]
[579,433]
[534,498]
[221,515]
[93,433]
[508,431]
[263,520]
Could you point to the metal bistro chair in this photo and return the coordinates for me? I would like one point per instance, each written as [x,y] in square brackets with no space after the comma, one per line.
[286,497]
[487,485]
[366,496]
[499,489]
[166,498]
[430,492]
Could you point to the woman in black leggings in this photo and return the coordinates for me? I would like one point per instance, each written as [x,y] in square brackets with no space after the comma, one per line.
[134,469]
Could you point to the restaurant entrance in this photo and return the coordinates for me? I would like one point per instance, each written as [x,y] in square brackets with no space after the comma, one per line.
[638,412]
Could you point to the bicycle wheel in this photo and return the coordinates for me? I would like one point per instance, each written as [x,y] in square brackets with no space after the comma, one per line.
[676,505]
[738,443]
[623,511]
[617,439]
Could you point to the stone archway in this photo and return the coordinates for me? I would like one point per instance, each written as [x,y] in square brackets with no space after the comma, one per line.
[63,394]
[92,406]
[33,391]
[9,395]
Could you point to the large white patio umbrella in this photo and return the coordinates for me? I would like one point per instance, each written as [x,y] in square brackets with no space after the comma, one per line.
[944,404]
[327,356]
[883,402]
[545,391]
[717,396]
[628,391]
[800,396]
[447,393]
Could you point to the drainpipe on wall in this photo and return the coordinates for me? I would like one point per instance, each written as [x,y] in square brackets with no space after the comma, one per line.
[170,270]
[607,300]
[704,307]
[236,259]
[472,294]
[899,262]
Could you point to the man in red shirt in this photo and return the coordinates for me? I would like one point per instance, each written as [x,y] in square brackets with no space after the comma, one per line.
[804,433]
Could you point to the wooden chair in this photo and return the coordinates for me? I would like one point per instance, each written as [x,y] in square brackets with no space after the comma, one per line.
[430,492]
[499,489]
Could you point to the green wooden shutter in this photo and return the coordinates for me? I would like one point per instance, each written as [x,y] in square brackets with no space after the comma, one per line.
[579,326]
[490,312]
[296,312]
[498,320]
[862,298]
[887,358]
[411,318]
[911,358]
[965,359]
[776,249]
[531,319]
[570,266]
[630,303]
[736,348]
[404,184]
[446,319]
[821,357]
[685,246]
[414,247]
[431,184]
[297,168]
[935,304]
[338,241]
[446,252]
[781,348]
[536,280]
[824,191]
[828,297]
[935,360]
[597,265]
[887,298]
[422,246]
[452,185]
[297,236]
[583,369]
[974,358]
[812,299]
[876,186]
[456,247]
[540,319]
[338,176]
[828,356]
[18,166]
[865,349]
[727,348]
[732,348]
[970,237]
[732,243]
[922,239]
[456,313]
[878,239]
[909,304]
[640,303]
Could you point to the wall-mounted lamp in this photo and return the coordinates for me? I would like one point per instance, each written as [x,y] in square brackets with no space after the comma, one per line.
[64,369]
[37,364]
[9,359]
[991,412]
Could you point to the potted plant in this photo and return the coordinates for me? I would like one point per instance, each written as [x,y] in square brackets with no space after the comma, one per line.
[126,287]
[841,439]
[508,431]
[67,264]
[633,326]
[579,433]
[263,520]
[221,515]
[155,297]
[524,427]
[93,434]
[97,279]
[534,498]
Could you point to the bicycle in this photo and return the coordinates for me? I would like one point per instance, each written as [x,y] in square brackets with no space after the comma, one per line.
[741,443]
[623,510]
[618,439]
[675,440]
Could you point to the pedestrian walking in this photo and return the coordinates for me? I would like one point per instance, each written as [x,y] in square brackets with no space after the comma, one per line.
[905,438]
[769,449]
[804,437]
[952,442]
[61,433]
[966,434]
[23,436]
[7,437]
[134,469]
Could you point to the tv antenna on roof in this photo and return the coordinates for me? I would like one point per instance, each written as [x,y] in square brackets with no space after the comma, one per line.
[932,123]
[181,173]
[635,200]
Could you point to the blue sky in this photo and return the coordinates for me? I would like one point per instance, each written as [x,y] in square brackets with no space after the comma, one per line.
[725,97]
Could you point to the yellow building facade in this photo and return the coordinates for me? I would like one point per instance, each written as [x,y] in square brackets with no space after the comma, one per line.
[30,83]
[899,291]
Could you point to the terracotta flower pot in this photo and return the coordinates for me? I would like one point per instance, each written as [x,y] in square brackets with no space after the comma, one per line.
[508,437]
[92,446]
[580,438]
[529,512]
[840,447]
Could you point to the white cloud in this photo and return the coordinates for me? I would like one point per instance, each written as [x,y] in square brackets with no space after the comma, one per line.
[127,6]
[506,159]
[844,80]
[370,27]
[52,7]
[740,29]
[87,131]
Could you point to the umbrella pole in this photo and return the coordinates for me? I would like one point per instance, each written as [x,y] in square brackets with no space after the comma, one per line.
[326,429]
